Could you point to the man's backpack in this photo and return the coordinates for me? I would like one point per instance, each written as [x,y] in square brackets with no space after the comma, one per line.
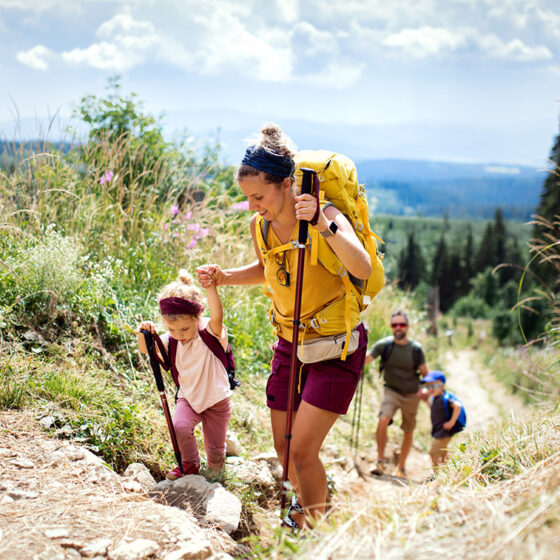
[461,422]
[388,348]
[225,356]
[338,185]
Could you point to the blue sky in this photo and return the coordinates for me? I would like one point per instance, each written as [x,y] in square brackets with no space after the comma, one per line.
[447,80]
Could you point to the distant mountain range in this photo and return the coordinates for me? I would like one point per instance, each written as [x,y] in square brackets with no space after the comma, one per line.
[419,187]
[405,187]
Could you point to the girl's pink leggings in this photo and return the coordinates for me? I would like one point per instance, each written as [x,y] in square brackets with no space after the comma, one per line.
[214,420]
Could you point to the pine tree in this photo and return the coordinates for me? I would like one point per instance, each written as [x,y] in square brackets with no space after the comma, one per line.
[549,205]
[548,212]
[411,264]
[485,254]
[442,275]
[468,263]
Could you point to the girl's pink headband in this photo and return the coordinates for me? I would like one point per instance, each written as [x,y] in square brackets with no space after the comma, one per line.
[179,306]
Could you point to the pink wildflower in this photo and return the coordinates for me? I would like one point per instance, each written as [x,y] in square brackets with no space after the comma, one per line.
[193,227]
[240,206]
[204,231]
[187,216]
[192,244]
[174,210]
[106,177]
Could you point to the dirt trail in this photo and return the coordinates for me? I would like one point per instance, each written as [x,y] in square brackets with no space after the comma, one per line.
[485,400]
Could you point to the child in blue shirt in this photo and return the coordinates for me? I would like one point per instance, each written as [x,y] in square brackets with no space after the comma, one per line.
[445,412]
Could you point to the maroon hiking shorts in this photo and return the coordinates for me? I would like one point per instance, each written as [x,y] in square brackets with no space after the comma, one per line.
[329,385]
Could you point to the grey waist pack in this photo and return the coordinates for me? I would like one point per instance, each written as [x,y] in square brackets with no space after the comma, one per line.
[326,347]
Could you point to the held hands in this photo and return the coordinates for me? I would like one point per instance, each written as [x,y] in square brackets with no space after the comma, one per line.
[209,274]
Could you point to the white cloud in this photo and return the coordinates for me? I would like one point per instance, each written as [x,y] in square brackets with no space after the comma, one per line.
[35,58]
[424,41]
[513,50]
[127,43]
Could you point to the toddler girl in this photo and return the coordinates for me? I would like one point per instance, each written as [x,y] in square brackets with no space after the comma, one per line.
[204,389]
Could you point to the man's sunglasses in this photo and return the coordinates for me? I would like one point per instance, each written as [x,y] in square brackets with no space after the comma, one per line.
[399,325]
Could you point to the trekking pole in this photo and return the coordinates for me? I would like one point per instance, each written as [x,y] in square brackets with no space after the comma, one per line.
[302,238]
[161,388]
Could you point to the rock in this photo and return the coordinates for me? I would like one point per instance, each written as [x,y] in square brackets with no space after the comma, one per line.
[34,336]
[211,502]
[233,445]
[190,489]
[22,495]
[57,533]
[135,550]
[47,421]
[4,452]
[223,509]
[253,473]
[97,547]
[132,486]
[75,454]
[6,499]
[137,472]
[191,551]
[23,463]
[273,463]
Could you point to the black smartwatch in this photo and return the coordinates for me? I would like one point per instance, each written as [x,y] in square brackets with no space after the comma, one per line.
[331,230]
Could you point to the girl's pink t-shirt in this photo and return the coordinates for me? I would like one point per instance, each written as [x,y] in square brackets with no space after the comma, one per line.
[203,380]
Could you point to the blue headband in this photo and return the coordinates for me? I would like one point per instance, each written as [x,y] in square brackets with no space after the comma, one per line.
[269,162]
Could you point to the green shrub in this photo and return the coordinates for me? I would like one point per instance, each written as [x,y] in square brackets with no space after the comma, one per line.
[471,306]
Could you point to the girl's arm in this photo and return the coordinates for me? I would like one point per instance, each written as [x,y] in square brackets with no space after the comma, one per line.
[344,243]
[216,310]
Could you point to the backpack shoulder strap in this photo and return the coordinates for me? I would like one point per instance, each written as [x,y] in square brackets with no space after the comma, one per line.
[172,358]
[215,347]
[386,353]
[446,396]
[416,355]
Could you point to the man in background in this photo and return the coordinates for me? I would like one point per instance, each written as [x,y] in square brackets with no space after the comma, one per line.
[402,364]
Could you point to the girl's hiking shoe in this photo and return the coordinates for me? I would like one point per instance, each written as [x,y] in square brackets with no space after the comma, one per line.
[188,468]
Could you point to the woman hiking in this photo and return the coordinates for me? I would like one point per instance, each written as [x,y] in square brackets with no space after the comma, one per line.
[325,388]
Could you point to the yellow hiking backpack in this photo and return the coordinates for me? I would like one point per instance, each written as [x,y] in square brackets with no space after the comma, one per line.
[338,185]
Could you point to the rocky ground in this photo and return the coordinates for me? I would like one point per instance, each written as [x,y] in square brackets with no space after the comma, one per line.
[60,501]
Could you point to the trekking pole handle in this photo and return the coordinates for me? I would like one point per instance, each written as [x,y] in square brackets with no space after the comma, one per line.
[153,360]
[306,184]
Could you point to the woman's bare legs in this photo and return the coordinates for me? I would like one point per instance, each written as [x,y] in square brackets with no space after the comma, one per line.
[278,422]
[309,429]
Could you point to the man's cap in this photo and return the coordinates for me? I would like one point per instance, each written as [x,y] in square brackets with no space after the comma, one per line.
[434,376]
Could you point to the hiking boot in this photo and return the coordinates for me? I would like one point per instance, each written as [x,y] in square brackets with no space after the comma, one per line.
[295,507]
[399,473]
[381,467]
[188,468]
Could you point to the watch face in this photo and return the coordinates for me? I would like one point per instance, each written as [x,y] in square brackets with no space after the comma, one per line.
[333,227]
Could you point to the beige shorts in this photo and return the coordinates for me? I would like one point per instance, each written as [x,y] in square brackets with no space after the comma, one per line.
[408,404]
[439,447]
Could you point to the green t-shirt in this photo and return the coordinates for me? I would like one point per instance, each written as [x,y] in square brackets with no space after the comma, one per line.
[399,373]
